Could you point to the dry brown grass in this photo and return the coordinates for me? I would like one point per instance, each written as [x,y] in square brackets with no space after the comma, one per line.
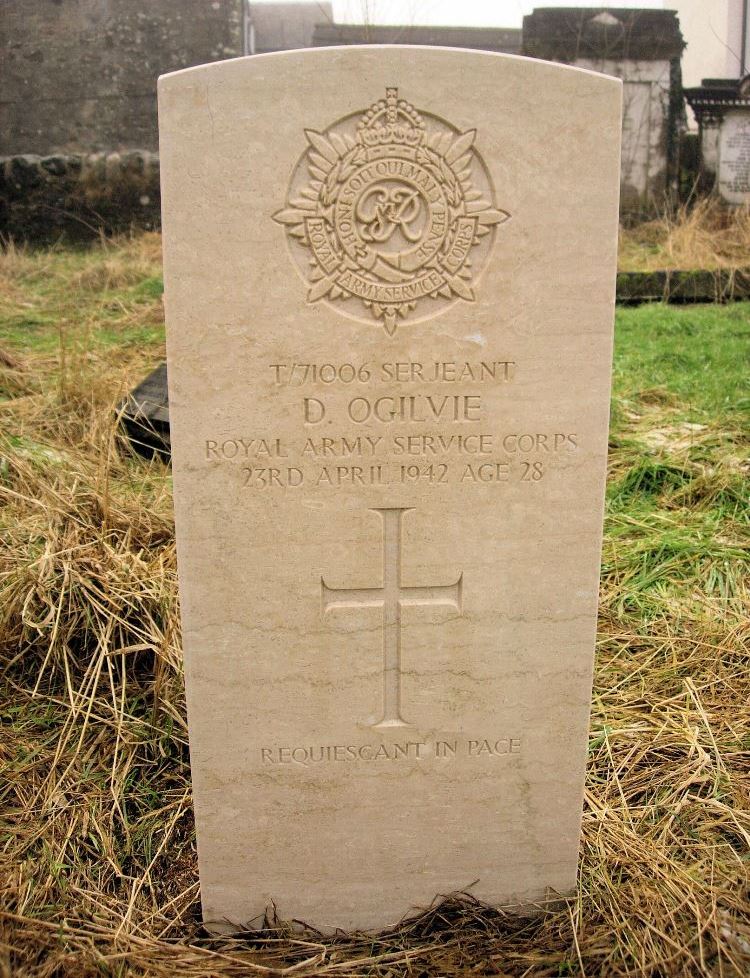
[705,236]
[97,862]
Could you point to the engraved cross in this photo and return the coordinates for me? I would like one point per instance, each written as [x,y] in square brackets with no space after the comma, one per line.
[392,597]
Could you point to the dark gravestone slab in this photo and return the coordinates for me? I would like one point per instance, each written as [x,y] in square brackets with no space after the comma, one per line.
[144,415]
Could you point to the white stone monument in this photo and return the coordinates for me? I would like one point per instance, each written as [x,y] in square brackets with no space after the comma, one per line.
[389,279]
[734,157]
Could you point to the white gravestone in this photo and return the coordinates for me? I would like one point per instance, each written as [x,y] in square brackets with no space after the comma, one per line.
[734,157]
[389,282]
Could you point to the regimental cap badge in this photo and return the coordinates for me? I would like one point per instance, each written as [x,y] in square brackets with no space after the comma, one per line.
[393,209]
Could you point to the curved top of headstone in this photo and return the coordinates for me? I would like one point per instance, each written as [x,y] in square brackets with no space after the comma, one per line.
[341,52]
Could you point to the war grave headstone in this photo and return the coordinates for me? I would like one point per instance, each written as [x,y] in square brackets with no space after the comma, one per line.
[389,280]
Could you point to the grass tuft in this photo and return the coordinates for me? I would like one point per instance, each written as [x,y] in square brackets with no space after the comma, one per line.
[705,235]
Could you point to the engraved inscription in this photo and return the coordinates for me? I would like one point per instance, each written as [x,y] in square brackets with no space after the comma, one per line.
[734,158]
[358,427]
[431,459]
[417,750]
[393,209]
[391,597]
[294,374]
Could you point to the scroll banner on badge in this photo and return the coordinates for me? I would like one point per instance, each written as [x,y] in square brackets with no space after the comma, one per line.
[337,273]
[463,239]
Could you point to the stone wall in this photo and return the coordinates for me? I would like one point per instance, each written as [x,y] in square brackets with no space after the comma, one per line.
[80,75]
[649,137]
[79,196]
[643,48]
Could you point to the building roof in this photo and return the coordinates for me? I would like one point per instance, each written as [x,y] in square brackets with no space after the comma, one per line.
[284,26]
[716,95]
[572,33]
[503,40]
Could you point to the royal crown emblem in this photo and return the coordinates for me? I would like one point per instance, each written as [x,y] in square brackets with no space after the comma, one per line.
[393,212]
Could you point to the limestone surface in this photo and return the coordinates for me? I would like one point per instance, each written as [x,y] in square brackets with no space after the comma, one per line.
[389,280]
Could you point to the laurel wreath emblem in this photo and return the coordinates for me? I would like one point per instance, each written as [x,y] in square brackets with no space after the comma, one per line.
[389,214]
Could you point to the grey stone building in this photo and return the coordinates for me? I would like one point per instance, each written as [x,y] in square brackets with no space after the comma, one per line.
[643,48]
[78,124]
[501,40]
[273,27]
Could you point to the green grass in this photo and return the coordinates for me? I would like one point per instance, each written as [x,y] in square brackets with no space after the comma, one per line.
[82,300]
[678,498]
[697,354]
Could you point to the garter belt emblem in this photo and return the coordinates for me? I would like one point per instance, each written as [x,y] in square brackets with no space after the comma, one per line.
[390,215]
